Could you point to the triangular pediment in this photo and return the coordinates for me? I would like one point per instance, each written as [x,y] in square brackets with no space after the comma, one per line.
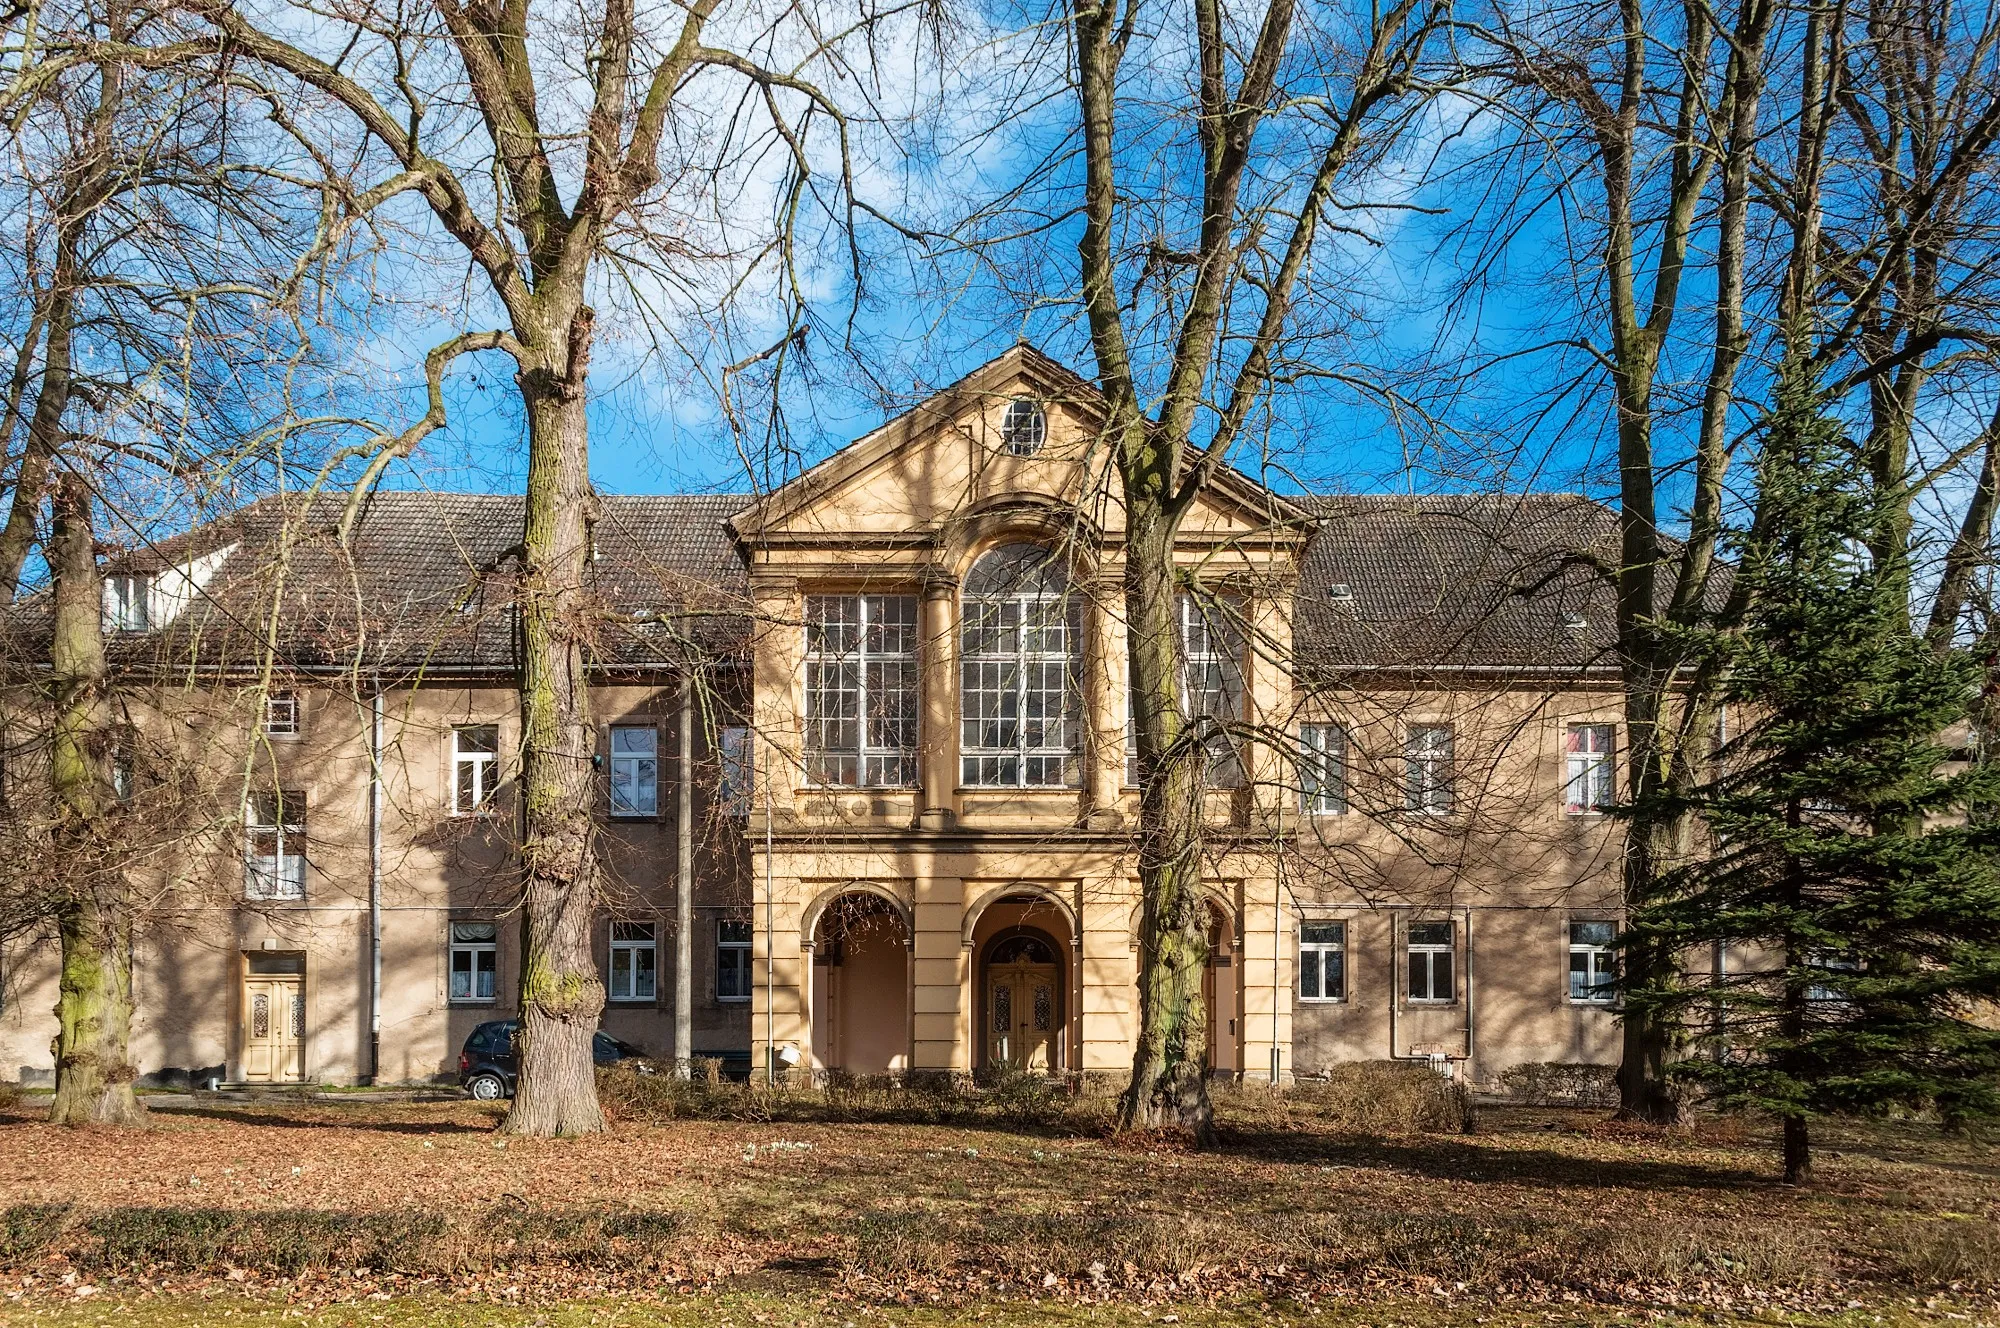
[946,460]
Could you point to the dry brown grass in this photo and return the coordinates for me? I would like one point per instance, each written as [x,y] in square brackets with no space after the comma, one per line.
[1298,1201]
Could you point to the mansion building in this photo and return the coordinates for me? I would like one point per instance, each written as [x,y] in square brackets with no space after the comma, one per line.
[865,798]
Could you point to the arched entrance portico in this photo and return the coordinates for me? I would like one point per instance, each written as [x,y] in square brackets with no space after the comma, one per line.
[860,998]
[1023,987]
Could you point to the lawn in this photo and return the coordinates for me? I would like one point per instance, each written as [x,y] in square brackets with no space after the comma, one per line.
[388,1214]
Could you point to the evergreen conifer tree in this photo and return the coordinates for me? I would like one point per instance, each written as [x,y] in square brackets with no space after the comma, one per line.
[1856,901]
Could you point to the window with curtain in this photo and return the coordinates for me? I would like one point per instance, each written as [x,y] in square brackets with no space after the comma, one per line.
[1019,656]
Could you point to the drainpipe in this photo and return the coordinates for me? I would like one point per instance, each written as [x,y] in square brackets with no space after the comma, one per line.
[684,895]
[1468,993]
[770,940]
[375,886]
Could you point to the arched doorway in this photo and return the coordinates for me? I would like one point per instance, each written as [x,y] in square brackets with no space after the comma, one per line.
[861,987]
[1023,950]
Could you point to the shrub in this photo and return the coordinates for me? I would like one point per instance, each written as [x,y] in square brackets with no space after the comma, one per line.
[1017,1101]
[27,1231]
[1384,1097]
[1561,1084]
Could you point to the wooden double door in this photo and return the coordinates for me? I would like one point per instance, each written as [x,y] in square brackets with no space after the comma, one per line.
[1023,1016]
[274,1019]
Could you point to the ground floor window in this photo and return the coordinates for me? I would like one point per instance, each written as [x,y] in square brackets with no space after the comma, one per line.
[1430,953]
[1593,964]
[732,961]
[1323,961]
[475,960]
[634,961]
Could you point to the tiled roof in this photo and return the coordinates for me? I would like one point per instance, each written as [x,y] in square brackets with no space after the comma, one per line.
[430,582]
[1438,581]
[1430,582]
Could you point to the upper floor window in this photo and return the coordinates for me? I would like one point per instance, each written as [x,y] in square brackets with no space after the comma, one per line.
[1024,428]
[1427,774]
[734,784]
[128,602]
[861,689]
[282,716]
[1322,769]
[475,765]
[635,770]
[1212,684]
[274,850]
[1589,784]
[1018,658]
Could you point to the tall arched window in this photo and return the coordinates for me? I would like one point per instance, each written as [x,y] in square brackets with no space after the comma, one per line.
[1019,725]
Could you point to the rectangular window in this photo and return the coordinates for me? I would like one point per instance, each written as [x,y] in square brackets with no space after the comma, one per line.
[732,961]
[635,771]
[1839,972]
[475,960]
[861,690]
[127,606]
[274,849]
[475,767]
[634,954]
[1430,950]
[1322,769]
[1322,961]
[1593,963]
[734,787]
[1589,784]
[281,714]
[1212,689]
[1427,775]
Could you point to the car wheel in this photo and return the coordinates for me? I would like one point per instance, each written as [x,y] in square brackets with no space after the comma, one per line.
[486,1087]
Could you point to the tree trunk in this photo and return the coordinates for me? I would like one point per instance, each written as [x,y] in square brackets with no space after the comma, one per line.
[1798,1152]
[561,993]
[1653,843]
[93,1071]
[1169,1085]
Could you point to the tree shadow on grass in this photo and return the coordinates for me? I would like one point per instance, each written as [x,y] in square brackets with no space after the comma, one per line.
[320,1118]
[1443,1158]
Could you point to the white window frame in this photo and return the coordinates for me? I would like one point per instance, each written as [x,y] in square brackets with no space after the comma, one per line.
[629,940]
[484,768]
[735,938]
[634,767]
[1313,954]
[1431,951]
[1323,769]
[1829,996]
[1213,684]
[284,714]
[473,951]
[1429,753]
[862,707]
[1590,775]
[128,602]
[1599,964]
[1024,427]
[276,820]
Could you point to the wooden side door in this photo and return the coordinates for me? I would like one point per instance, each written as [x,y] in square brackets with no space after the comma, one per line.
[274,1021]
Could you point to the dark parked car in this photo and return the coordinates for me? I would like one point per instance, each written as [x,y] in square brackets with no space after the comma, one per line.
[487,1068]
